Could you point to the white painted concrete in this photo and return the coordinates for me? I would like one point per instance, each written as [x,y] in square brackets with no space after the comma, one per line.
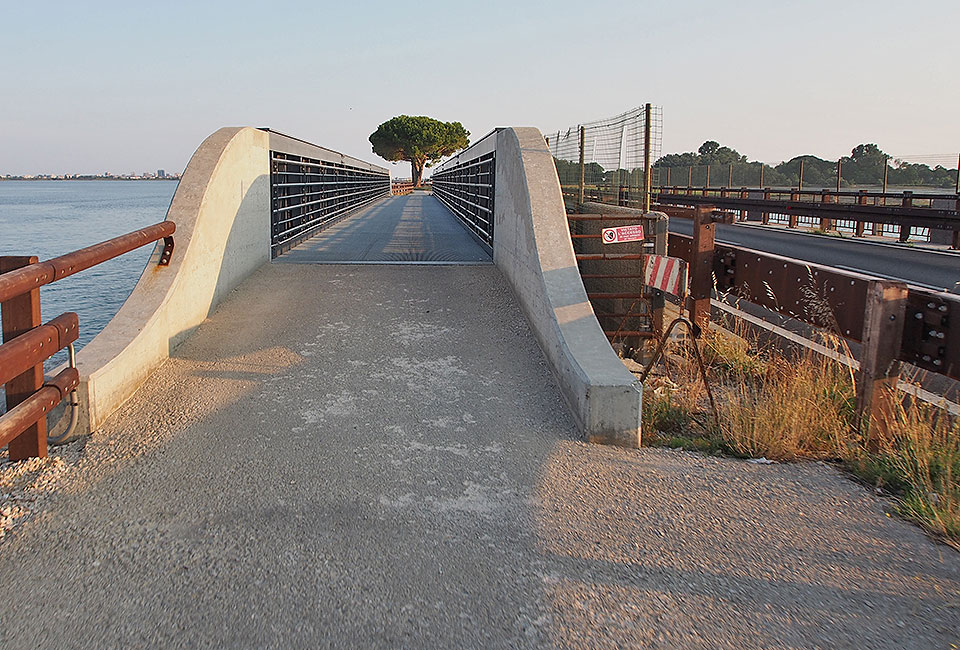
[532,247]
[222,211]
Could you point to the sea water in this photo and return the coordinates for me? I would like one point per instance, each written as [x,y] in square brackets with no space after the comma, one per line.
[50,218]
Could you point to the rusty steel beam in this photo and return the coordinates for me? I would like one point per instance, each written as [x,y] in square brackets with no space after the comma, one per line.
[34,276]
[609,256]
[20,315]
[36,346]
[931,332]
[36,407]
[835,299]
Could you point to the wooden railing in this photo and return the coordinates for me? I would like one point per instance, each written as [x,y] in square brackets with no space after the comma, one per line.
[27,343]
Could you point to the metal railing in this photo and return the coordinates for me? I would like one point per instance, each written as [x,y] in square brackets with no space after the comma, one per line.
[894,321]
[309,194]
[27,343]
[400,188]
[467,188]
[905,215]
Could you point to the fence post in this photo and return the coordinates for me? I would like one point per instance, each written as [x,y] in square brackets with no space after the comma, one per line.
[20,315]
[792,219]
[647,130]
[761,177]
[764,216]
[701,266]
[839,168]
[825,223]
[580,194]
[800,182]
[689,178]
[880,368]
[906,202]
[860,225]
[706,183]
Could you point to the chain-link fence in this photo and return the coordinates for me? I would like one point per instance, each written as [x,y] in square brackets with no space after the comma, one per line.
[613,151]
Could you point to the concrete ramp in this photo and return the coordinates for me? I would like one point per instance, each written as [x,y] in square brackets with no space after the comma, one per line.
[411,229]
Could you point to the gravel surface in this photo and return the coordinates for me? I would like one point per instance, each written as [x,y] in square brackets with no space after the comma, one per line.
[384,460]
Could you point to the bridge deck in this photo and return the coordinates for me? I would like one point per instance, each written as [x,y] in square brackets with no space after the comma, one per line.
[377,456]
[415,228]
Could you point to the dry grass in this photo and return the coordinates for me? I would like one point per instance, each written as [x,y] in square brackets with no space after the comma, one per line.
[791,408]
[924,452]
[800,408]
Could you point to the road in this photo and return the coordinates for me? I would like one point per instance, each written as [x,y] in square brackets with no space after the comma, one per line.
[924,268]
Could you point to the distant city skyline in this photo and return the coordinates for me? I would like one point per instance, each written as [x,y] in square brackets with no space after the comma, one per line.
[118,86]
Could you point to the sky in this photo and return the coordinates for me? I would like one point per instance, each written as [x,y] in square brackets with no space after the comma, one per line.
[131,87]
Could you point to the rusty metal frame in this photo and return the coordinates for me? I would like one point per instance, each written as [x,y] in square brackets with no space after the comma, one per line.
[33,276]
[28,343]
[904,215]
[835,300]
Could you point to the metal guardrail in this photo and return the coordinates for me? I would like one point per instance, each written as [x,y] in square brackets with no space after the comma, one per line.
[27,343]
[894,321]
[826,205]
[309,194]
[826,209]
[467,189]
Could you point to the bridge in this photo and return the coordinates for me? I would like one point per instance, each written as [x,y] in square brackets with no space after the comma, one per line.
[331,416]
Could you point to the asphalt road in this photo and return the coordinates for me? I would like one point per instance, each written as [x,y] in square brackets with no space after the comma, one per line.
[929,269]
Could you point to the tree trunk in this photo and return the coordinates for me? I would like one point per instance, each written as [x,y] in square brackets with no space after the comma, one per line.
[416,171]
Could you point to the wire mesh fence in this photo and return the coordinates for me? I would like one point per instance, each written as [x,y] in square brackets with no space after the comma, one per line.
[812,173]
[613,150]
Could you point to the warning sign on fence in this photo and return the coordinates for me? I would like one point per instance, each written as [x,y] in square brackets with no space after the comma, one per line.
[622,234]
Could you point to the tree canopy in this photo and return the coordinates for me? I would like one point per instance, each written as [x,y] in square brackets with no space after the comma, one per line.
[420,140]
[864,166]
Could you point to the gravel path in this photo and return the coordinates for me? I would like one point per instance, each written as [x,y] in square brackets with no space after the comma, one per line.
[383,460]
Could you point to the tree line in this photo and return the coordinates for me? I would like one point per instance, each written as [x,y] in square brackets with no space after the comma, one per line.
[864,166]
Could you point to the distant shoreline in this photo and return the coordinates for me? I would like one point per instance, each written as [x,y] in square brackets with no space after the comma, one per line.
[85,178]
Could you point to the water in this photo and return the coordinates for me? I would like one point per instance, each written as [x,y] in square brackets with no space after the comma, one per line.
[50,218]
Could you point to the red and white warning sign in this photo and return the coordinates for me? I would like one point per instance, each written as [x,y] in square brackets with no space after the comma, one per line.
[665,273]
[622,234]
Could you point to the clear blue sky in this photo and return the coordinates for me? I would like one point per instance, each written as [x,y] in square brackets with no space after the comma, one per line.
[121,86]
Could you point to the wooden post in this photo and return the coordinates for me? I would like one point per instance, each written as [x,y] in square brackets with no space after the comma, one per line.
[880,368]
[20,315]
[792,219]
[860,225]
[765,216]
[906,202]
[839,168]
[730,176]
[800,182]
[761,176]
[689,178]
[668,177]
[958,174]
[706,183]
[826,224]
[701,266]
[580,193]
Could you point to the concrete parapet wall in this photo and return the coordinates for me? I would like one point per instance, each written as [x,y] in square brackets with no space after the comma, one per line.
[532,247]
[222,211]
